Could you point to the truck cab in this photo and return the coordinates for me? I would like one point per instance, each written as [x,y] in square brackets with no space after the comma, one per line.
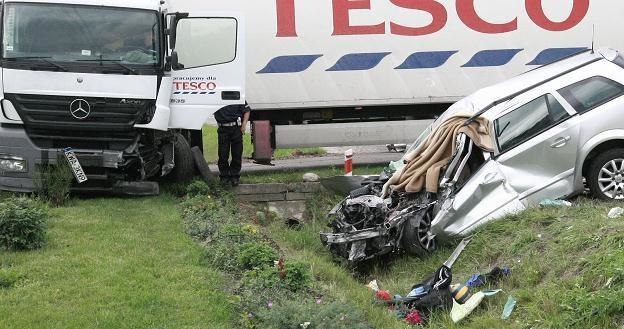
[126,87]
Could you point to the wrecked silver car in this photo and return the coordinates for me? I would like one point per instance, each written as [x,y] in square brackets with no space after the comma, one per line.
[546,134]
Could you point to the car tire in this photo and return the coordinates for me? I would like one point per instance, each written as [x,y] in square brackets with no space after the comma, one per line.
[184,168]
[417,238]
[606,175]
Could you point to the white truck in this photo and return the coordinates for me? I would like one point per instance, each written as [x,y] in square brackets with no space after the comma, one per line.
[123,86]
[336,72]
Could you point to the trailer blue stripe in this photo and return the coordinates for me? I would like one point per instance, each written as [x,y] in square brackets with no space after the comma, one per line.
[358,62]
[494,57]
[289,64]
[548,56]
[417,60]
[426,60]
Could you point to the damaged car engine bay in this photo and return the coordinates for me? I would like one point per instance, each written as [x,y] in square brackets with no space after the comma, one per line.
[366,225]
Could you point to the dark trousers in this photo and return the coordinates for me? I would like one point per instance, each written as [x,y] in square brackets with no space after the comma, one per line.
[230,139]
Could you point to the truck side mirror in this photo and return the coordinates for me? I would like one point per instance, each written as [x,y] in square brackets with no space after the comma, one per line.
[173,26]
[175,62]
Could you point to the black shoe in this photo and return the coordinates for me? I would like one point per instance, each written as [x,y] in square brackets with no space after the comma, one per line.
[235,182]
[225,181]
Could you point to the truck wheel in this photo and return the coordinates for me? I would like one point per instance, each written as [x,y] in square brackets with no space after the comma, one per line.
[606,175]
[417,238]
[183,158]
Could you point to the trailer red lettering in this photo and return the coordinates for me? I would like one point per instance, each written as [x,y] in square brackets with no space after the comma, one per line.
[342,25]
[286,22]
[537,15]
[466,11]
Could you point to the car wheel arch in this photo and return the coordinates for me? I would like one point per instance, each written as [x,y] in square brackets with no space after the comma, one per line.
[600,148]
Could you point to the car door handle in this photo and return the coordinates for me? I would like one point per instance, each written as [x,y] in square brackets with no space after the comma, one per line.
[561,142]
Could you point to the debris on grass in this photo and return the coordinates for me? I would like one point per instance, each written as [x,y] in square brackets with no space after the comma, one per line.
[497,273]
[616,212]
[461,311]
[509,307]
[555,203]
[311,178]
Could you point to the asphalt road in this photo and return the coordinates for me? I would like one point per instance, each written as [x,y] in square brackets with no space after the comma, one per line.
[363,155]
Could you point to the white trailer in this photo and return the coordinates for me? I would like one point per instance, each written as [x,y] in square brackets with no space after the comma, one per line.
[318,68]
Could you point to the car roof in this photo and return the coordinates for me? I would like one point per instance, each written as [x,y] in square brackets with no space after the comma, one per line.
[497,97]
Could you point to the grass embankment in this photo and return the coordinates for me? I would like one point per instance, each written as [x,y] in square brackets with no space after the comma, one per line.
[211,144]
[114,263]
[567,263]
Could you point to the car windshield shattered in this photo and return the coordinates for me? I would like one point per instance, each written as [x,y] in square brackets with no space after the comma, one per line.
[74,33]
[542,136]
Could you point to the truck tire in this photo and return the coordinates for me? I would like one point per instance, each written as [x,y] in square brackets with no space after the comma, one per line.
[606,175]
[184,168]
[417,239]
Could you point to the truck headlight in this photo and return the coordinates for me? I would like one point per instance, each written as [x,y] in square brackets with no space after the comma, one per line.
[13,164]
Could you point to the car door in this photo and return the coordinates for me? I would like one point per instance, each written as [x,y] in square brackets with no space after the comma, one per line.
[537,148]
[207,67]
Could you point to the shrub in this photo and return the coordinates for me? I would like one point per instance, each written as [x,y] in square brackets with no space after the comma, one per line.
[199,227]
[261,278]
[8,278]
[297,276]
[52,182]
[201,216]
[294,313]
[22,224]
[222,256]
[256,255]
[176,189]
[197,188]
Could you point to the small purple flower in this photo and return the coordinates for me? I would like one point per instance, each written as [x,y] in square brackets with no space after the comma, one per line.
[319,300]
[270,304]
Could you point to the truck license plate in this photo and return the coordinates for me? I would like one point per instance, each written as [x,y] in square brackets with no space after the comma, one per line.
[80,175]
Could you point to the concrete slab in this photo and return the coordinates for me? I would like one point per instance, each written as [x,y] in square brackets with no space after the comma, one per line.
[287,209]
[246,189]
[261,197]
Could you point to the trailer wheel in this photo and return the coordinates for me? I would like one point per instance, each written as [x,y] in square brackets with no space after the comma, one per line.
[417,238]
[183,158]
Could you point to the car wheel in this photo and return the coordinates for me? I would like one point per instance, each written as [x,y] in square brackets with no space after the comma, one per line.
[606,175]
[417,237]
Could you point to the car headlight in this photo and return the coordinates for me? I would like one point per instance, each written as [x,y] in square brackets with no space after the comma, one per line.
[12,164]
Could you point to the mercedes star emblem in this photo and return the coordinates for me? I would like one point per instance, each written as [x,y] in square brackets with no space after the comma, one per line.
[80,109]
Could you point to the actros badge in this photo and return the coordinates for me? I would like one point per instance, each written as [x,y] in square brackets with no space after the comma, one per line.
[80,109]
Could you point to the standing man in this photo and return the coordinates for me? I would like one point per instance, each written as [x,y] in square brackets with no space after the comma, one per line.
[232,121]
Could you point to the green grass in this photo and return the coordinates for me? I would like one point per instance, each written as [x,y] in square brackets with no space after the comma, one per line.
[568,269]
[294,176]
[211,147]
[114,263]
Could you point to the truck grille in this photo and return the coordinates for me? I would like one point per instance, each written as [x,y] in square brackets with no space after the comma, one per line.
[109,125]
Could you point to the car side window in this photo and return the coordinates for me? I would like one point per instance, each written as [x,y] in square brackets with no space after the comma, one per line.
[528,121]
[591,93]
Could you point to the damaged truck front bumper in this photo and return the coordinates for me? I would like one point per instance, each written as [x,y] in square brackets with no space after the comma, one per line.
[17,146]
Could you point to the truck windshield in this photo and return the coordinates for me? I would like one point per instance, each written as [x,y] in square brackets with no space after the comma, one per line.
[72,33]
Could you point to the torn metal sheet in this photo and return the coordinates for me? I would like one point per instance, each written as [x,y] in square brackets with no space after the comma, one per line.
[455,255]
